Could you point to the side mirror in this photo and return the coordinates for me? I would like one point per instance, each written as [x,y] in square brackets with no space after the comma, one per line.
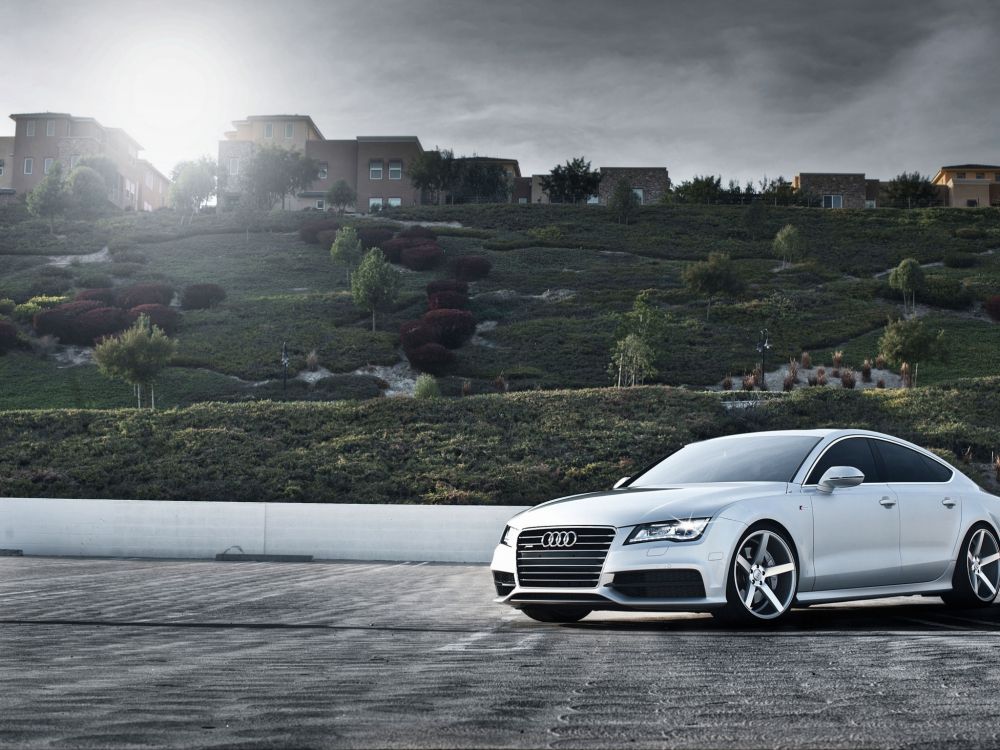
[620,482]
[840,476]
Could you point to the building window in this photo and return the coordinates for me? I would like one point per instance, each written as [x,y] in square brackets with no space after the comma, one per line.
[50,128]
[46,165]
[375,170]
[73,160]
[146,206]
[29,165]
[640,194]
[980,175]
[395,170]
[833,201]
[320,204]
[869,203]
[972,203]
[289,129]
[522,200]
[996,176]
[593,200]
[324,170]
[234,167]
[960,175]
[1,167]
[269,130]
[374,204]
[395,202]
[29,128]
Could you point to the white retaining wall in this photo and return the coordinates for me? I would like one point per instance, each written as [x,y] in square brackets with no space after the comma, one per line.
[198,530]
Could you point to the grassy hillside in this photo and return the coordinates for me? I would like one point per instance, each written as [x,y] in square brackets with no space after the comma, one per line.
[560,274]
[503,449]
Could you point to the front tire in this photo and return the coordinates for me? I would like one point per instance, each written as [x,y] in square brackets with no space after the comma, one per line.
[556,614]
[763,578]
[977,570]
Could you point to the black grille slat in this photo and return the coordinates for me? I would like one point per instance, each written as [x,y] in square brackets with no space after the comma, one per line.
[677,583]
[578,566]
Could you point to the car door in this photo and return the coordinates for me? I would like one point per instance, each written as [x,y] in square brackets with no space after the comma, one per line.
[855,529]
[930,511]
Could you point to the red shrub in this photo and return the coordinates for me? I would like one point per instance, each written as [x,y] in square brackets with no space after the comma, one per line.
[432,358]
[448,300]
[325,238]
[164,317]
[145,294]
[202,296]
[421,257]
[105,296]
[992,307]
[61,321]
[8,336]
[472,267]
[418,231]
[374,237]
[451,327]
[393,249]
[309,232]
[447,285]
[415,333]
[94,325]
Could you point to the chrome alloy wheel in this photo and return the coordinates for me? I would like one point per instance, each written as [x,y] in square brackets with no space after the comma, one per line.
[764,574]
[983,565]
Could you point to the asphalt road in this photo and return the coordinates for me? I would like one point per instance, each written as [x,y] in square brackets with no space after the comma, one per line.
[139,653]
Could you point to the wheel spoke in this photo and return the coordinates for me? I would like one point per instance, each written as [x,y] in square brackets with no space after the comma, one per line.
[980,535]
[975,583]
[749,600]
[972,557]
[758,558]
[771,595]
[986,580]
[744,563]
[778,570]
[989,560]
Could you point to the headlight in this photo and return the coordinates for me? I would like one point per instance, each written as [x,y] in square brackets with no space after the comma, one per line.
[675,531]
[508,536]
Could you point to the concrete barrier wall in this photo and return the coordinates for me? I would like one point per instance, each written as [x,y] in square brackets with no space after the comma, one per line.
[198,530]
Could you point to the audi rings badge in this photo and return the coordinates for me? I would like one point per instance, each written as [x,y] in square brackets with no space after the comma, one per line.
[558,539]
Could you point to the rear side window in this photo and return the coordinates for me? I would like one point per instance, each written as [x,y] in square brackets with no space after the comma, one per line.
[905,465]
[854,452]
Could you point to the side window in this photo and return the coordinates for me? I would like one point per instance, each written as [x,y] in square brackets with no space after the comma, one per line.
[850,452]
[905,465]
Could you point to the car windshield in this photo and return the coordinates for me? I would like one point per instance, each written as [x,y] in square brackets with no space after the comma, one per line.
[742,458]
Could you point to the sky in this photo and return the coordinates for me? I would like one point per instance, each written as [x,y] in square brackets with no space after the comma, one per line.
[738,88]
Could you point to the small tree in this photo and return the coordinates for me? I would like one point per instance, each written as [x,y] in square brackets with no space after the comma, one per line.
[375,285]
[274,173]
[104,166]
[624,203]
[631,361]
[48,199]
[910,190]
[755,219]
[701,189]
[136,356]
[712,277]
[572,182]
[911,341]
[434,172]
[346,249]
[87,191]
[788,245]
[341,195]
[193,184]
[426,387]
[908,278]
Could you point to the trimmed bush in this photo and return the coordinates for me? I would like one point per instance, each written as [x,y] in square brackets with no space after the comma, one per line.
[106,296]
[374,237]
[970,233]
[61,321]
[432,358]
[145,294]
[447,300]
[447,285]
[326,238]
[202,296]
[426,387]
[452,328]
[94,325]
[472,267]
[393,249]
[415,333]
[422,257]
[956,259]
[94,281]
[8,336]
[309,232]
[166,318]
[7,306]
[992,307]
[419,231]
[941,291]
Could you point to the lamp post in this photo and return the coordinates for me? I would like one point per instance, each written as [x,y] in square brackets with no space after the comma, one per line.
[763,344]
[284,365]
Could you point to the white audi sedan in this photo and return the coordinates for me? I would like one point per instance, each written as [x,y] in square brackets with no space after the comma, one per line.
[748,526]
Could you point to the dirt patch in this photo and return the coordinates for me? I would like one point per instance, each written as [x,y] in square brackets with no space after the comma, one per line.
[61,261]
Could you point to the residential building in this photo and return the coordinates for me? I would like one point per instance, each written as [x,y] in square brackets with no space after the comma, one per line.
[376,167]
[649,184]
[154,188]
[838,189]
[969,185]
[6,167]
[44,138]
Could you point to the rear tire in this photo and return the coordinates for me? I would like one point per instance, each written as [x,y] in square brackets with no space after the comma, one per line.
[763,578]
[977,570]
[556,614]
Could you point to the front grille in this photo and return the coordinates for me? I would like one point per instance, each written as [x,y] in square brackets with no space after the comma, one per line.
[578,565]
[504,582]
[660,584]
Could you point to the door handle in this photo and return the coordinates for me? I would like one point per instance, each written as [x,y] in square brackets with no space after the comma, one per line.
[949,503]
[886,502]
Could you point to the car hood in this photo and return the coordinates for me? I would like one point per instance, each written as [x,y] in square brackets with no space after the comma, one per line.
[627,507]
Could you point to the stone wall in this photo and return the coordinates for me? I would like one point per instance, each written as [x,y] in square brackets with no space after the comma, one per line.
[852,186]
[653,181]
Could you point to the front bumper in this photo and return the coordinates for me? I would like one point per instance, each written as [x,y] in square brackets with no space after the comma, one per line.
[709,556]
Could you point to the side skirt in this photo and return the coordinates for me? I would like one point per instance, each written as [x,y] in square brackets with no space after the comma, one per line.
[940,586]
